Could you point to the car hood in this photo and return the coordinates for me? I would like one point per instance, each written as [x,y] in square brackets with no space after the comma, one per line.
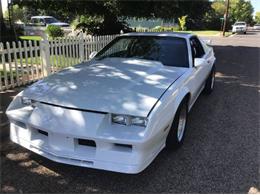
[114,85]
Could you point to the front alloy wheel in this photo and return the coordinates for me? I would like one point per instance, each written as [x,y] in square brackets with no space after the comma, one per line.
[210,82]
[177,132]
[181,123]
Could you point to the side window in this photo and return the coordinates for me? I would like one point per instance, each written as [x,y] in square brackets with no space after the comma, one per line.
[33,21]
[42,20]
[197,49]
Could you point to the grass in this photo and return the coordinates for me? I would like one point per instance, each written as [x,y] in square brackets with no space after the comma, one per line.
[8,73]
[32,38]
[227,34]
[202,32]
[208,33]
[197,32]
[59,61]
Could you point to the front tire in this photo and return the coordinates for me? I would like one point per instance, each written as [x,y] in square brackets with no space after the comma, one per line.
[177,132]
[210,82]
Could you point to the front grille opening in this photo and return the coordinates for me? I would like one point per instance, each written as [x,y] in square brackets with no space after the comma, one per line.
[86,142]
[43,132]
[124,146]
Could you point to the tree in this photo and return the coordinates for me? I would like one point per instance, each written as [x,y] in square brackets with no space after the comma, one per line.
[115,11]
[214,17]
[238,10]
[257,17]
[182,21]
[219,7]
[18,14]
[241,10]
[2,24]
[226,16]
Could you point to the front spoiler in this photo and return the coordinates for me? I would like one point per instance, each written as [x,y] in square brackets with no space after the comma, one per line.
[87,159]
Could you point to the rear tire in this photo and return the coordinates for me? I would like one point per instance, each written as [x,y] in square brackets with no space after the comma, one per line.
[177,132]
[244,32]
[210,82]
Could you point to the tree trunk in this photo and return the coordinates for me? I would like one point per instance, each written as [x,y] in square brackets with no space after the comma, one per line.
[2,24]
[226,17]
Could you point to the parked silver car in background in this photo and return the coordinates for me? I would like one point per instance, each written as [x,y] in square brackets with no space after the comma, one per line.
[38,25]
[239,27]
[256,27]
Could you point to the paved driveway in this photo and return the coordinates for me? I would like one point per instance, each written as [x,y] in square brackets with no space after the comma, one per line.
[220,154]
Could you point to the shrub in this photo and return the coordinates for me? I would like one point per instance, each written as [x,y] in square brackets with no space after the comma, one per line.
[100,25]
[54,31]
[182,21]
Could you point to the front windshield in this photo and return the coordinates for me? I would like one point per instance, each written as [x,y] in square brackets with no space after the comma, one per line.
[170,51]
[50,20]
[240,23]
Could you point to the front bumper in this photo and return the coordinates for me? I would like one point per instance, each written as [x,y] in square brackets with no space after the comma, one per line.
[82,139]
[238,30]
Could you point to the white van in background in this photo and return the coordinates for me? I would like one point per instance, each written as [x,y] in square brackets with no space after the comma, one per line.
[38,24]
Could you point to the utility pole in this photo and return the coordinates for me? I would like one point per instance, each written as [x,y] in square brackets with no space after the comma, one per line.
[226,17]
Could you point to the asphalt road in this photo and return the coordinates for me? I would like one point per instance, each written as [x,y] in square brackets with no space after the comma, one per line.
[220,153]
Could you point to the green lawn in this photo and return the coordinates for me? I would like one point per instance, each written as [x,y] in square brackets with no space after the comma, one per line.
[60,61]
[205,32]
[208,33]
[8,73]
[32,38]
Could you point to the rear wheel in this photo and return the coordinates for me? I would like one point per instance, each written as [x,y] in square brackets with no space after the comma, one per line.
[177,132]
[210,82]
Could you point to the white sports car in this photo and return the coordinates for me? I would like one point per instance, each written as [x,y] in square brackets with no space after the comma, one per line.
[120,109]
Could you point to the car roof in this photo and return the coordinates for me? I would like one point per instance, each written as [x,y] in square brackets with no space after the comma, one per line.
[42,17]
[167,34]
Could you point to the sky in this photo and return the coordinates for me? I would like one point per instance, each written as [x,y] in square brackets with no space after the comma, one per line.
[255,3]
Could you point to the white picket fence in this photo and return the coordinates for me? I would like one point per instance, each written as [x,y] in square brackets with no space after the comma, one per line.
[25,62]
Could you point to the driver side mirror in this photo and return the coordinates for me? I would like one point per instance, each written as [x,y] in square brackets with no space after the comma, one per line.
[199,62]
[92,55]
[208,42]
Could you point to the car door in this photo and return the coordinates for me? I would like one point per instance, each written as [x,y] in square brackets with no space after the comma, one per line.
[200,73]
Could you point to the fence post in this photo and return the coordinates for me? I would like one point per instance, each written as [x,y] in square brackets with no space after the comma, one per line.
[45,53]
[81,48]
